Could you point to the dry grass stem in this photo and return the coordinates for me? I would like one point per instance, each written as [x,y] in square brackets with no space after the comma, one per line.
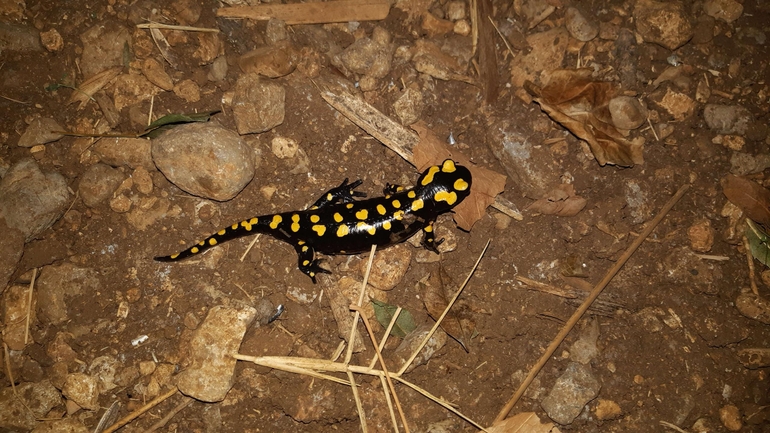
[253,241]
[154,25]
[186,401]
[29,306]
[385,337]
[446,310]
[587,303]
[505,41]
[711,257]
[672,426]
[750,260]
[388,400]
[357,313]
[441,402]
[8,370]
[655,133]
[133,415]
[359,405]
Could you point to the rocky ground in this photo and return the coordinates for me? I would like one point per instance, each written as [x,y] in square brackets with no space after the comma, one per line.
[596,112]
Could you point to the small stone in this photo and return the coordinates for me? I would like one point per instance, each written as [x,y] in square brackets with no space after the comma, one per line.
[98,183]
[258,105]
[142,180]
[408,106]
[412,341]
[434,26]
[105,369]
[350,288]
[462,28]
[733,142]
[15,307]
[366,57]
[284,148]
[701,236]
[218,69]
[730,417]
[578,26]
[188,90]
[727,119]
[18,414]
[702,91]
[210,47]
[571,392]
[156,74]
[584,349]
[66,425]
[18,37]
[130,90]
[103,46]
[125,152]
[607,410]
[664,23]
[83,390]
[211,367]
[42,130]
[627,112]
[272,61]
[276,31]
[389,266]
[455,10]
[679,105]
[120,204]
[147,368]
[754,307]
[52,40]
[725,10]
[754,357]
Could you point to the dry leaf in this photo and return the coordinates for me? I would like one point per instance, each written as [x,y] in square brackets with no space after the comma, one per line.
[751,197]
[525,422]
[454,324]
[560,201]
[487,184]
[578,103]
[88,88]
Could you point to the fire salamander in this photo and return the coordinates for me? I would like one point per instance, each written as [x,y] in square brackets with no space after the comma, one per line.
[338,224]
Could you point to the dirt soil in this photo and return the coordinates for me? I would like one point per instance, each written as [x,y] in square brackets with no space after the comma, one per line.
[667,350]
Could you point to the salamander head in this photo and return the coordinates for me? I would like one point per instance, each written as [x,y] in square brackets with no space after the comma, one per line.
[445,185]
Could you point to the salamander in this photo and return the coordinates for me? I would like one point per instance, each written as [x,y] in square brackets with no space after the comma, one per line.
[337,223]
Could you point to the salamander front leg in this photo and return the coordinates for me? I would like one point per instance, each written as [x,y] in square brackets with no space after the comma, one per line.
[429,238]
[307,261]
[343,193]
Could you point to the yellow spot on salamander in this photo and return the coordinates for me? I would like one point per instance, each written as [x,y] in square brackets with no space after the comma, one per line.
[362,226]
[386,225]
[399,215]
[329,197]
[417,204]
[314,218]
[320,229]
[295,223]
[173,256]
[223,231]
[449,197]
[253,221]
[381,209]
[300,242]
[428,229]
[337,217]
[362,214]
[194,250]
[460,185]
[429,175]
[304,249]
[349,205]
[212,242]
[448,166]
[396,204]
[342,230]
[246,225]
[411,194]
[234,226]
[276,220]
[305,262]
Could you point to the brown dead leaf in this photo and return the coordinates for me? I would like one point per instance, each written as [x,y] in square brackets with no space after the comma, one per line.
[487,184]
[456,324]
[750,197]
[88,88]
[560,201]
[580,104]
[525,422]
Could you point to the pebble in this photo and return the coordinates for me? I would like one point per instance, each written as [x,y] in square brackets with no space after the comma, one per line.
[30,200]
[412,341]
[39,399]
[105,370]
[701,236]
[548,48]
[627,112]
[15,306]
[431,60]
[258,104]
[727,119]
[82,389]
[664,23]
[125,152]
[284,147]
[409,106]
[153,70]
[571,392]
[462,28]
[41,131]
[607,410]
[272,61]
[210,373]
[730,417]
[276,31]
[98,183]
[754,307]
[205,159]
[66,425]
[103,47]
[679,105]
[755,357]
[52,40]
[725,10]
[455,10]
[142,180]
[742,163]
[188,90]
[389,266]
[434,26]
[56,284]
[584,349]
[368,56]
[579,26]
[218,69]
[131,89]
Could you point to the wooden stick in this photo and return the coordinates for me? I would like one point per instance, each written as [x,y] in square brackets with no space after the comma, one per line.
[186,401]
[312,13]
[29,306]
[9,372]
[152,25]
[133,415]
[584,306]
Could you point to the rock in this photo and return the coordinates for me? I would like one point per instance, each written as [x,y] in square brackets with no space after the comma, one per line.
[105,369]
[209,375]
[210,47]
[218,70]
[408,106]
[434,26]
[367,56]
[30,200]
[664,23]
[39,399]
[153,70]
[205,159]
[638,202]
[742,163]
[149,210]
[701,236]
[66,425]
[548,51]
[125,152]
[188,90]
[429,59]
[258,105]
[627,112]
[578,26]
[103,46]
[59,282]
[276,31]
[11,250]
[677,104]
[83,390]
[725,10]
[607,410]
[284,148]
[132,89]
[754,307]
[321,404]
[730,417]
[272,61]
[389,266]
[584,349]
[98,183]
[455,10]
[20,38]
[571,392]
[410,343]
[142,180]
[462,28]
[41,131]
[727,119]
[754,357]
[16,302]
[52,40]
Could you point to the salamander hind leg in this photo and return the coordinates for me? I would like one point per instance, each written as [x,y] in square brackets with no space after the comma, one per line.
[344,193]
[429,238]
[308,264]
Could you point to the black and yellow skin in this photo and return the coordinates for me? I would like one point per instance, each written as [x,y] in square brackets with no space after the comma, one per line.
[339,224]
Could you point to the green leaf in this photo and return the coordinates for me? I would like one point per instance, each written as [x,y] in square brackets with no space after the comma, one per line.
[384,313]
[758,242]
[171,120]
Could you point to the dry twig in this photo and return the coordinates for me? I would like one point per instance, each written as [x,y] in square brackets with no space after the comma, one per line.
[133,415]
[29,306]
